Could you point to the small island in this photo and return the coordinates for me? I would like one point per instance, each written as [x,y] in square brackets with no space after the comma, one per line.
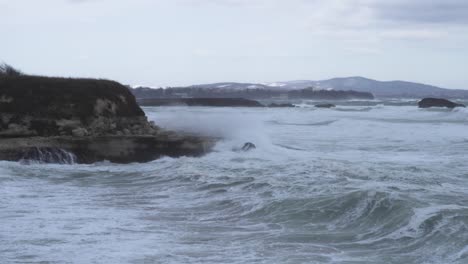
[438,102]
[89,120]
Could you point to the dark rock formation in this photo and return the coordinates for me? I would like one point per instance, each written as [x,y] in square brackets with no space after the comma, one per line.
[248,146]
[325,105]
[437,102]
[119,149]
[93,119]
[281,105]
[215,102]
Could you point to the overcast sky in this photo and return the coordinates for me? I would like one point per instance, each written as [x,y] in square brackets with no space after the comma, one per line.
[182,42]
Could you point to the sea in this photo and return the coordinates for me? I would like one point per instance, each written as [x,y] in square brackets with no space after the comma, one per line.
[378,181]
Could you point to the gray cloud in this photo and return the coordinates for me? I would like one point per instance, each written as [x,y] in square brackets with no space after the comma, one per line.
[426,11]
[422,11]
[408,11]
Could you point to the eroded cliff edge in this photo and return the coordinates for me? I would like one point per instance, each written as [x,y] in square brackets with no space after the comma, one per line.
[95,120]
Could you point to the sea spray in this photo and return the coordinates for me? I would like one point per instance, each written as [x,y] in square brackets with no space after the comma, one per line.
[234,128]
[48,155]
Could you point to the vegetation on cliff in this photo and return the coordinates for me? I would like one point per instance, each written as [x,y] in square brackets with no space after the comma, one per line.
[7,70]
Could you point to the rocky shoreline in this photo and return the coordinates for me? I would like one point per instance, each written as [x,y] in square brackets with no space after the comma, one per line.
[94,120]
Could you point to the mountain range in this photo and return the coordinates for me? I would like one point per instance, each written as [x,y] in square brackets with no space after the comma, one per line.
[393,89]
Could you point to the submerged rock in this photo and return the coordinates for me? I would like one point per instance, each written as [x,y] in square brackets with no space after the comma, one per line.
[437,102]
[95,120]
[325,105]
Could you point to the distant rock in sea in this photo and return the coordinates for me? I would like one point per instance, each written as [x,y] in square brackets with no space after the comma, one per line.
[95,120]
[248,146]
[437,102]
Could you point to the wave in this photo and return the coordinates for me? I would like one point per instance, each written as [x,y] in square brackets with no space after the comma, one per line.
[289,147]
[323,123]
[365,109]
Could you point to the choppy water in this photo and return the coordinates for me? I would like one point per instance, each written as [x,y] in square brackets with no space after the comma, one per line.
[363,183]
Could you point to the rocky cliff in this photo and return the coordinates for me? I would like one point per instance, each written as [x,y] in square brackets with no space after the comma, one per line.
[94,119]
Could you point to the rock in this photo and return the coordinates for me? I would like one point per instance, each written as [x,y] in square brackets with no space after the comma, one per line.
[325,105]
[79,132]
[437,102]
[94,120]
[281,105]
[248,146]
[126,131]
[117,149]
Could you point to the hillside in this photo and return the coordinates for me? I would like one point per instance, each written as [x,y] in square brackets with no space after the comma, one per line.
[397,89]
[380,89]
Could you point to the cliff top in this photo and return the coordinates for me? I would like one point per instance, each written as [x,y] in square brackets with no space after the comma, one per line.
[65,97]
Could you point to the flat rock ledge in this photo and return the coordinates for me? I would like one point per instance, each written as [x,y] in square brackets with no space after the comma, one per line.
[117,149]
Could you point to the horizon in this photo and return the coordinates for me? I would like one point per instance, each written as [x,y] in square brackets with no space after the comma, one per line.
[301,80]
[188,42]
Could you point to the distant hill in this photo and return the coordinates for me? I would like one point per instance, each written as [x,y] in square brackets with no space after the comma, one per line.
[232,85]
[380,89]
[397,89]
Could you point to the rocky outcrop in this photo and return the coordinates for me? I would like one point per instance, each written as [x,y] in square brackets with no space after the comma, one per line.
[437,102]
[248,146]
[212,102]
[118,149]
[93,119]
[325,105]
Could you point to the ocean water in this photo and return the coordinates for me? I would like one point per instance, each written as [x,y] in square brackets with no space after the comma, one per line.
[366,182]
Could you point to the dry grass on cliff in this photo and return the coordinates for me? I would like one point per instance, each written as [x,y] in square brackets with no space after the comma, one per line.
[7,70]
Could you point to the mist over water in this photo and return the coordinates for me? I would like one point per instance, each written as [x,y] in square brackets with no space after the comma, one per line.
[365,182]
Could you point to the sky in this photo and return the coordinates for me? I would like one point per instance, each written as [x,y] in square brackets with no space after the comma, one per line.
[183,42]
